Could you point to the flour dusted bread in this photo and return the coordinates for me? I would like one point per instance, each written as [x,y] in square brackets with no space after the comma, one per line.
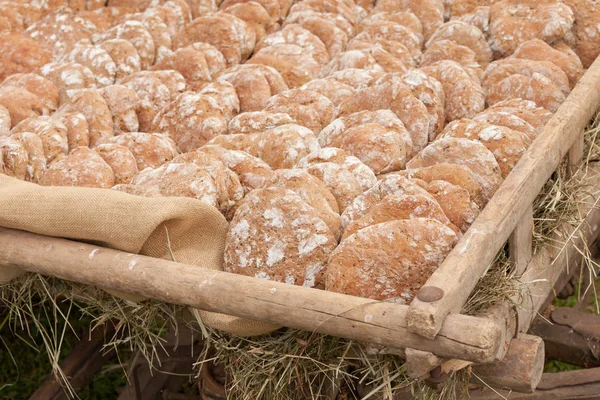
[138,35]
[36,159]
[276,236]
[392,184]
[297,35]
[468,153]
[506,145]
[125,56]
[19,54]
[332,29]
[191,120]
[150,150]
[97,60]
[464,95]
[52,132]
[43,88]
[406,19]
[224,97]
[466,35]
[120,160]
[254,84]
[227,183]
[562,56]
[123,103]
[253,173]
[393,50]
[313,192]
[92,105]
[364,175]
[539,81]
[392,94]
[256,16]
[389,261]
[456,203]
[258,121]
[68,78]
[450,50]
[229,34]
[78,132]
[60,31]
[399,207]
[513,22]
[429,12]
[583,38]
[295,65]
[307,108]
[83,167]
[326,6]
[277,9]
[280,147]
[334,90]
[199,64]
[518,114]
[377,138]
[180,180]
[355,77]
[13,158]
[21,104]
[155,92]
[431,93]
[342,183]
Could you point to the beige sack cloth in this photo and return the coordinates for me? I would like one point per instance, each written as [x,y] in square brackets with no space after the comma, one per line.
[120,221]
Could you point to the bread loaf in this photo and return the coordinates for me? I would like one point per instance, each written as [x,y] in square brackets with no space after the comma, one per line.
[276,236]
[83,167]
[389,261]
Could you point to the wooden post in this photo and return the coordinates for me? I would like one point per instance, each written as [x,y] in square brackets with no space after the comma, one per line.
[466,263]
[520,370]
[419,363]
[520,242]
[381,323]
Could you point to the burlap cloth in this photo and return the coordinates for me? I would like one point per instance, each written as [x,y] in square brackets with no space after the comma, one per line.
[124,222]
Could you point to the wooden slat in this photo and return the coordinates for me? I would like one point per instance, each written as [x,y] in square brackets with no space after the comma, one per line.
[576,154]
[469,338]
[521,369]
[466,263]
[550,261]
[520,242]
[582,385]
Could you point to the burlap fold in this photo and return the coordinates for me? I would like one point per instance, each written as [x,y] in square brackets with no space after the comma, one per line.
[124,222]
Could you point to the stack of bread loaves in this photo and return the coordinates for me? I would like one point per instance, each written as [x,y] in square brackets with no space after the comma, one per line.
[350,143]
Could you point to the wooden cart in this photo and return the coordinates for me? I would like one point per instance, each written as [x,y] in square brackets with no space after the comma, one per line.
[428,332]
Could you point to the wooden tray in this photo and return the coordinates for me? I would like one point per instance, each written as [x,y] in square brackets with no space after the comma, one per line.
[432,330]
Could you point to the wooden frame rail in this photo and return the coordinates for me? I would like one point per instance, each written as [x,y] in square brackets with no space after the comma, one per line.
[474,339]
[508,212]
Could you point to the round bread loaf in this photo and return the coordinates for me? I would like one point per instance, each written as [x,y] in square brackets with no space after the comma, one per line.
[42,87]
[450,50]
[125,56]
[506,145]
[252,172]
[254,84]
[13,158]
[307,108]
[466,35]
[469,153]
[51,131]
[313,192]
[456,203]
[36,160]
[94,108]
[120,160]
[276,236]
[97,60]
[389,261]
[21,104]
[78,132]
[20,54]
[149,149]
[464,95]
[180,180]
[123,104]
[257,121]
[83,167]
[399,207]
